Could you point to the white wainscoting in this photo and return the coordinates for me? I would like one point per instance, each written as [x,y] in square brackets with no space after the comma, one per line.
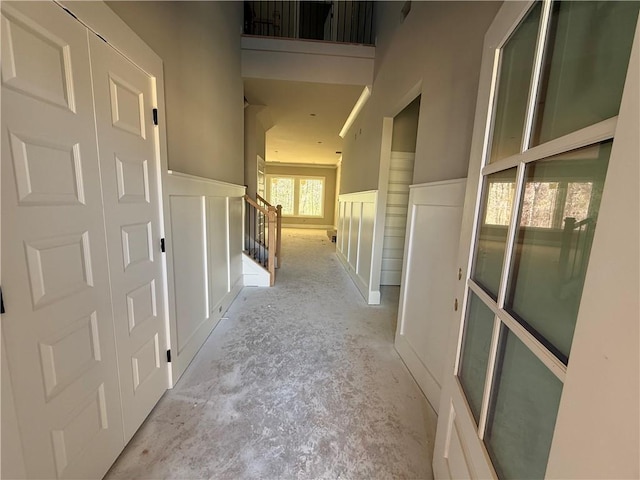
[429,275]
[203,221]
[355,244]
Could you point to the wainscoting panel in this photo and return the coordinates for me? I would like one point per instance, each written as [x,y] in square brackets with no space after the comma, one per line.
[429,273]
[355,245]
[204,259]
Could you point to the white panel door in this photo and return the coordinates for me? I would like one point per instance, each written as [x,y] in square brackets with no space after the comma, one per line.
[124,101]
[58,327]
[428,282]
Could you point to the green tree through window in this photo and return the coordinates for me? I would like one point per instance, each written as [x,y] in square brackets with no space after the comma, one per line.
[299,196]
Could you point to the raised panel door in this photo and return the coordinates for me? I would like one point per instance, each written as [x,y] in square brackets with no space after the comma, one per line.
[58,325]
[129,164]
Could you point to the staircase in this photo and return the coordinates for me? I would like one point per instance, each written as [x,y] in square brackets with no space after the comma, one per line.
[262,237]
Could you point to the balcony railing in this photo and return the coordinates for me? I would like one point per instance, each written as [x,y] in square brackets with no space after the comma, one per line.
[332,21]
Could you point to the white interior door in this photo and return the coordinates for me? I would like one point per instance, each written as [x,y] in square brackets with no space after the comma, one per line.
[428,282]
[543,379]
[129,163]
[57,328]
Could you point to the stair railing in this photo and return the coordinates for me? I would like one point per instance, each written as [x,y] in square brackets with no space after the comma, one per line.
[261,234]
[263,202]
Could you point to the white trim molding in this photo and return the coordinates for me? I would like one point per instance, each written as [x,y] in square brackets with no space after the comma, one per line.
[355,111]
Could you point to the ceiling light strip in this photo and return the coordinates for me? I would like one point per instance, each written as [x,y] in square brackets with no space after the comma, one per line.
[357,108]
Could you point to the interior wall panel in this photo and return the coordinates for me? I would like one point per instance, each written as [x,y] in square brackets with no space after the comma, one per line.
[204,248]
[355,245]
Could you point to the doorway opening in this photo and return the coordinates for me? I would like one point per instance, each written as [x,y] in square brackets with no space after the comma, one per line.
[402,159]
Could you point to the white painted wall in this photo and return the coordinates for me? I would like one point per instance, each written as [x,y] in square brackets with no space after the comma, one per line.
[199,43]
[254,145]
[204,259]
[355,246]
[395,220]
[428,281]
[307,61]
[438,47]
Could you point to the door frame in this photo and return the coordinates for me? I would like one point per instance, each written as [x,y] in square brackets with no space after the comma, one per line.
[603,359]
[383,179]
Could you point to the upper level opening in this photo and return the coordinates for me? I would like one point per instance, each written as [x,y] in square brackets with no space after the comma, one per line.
[323,20]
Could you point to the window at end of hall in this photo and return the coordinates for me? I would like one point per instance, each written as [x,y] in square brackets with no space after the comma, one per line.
[299,196]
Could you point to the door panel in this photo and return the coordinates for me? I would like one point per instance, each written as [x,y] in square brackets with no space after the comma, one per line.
[435,213]
[129,168]
[519,391]
[58,327]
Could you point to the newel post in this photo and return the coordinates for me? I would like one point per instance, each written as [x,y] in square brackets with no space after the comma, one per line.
[279,235]
[271,215]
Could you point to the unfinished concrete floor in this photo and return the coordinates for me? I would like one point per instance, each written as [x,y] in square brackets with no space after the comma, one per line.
[299,381]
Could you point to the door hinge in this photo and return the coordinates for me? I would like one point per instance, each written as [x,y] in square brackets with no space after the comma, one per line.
[169,356]
[1,302]
[162,247]
[155,116]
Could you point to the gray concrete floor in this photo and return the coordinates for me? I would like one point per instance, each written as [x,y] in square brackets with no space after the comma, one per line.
[297,381]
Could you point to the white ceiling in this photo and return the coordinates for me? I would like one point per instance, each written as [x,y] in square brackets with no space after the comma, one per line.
[296,133]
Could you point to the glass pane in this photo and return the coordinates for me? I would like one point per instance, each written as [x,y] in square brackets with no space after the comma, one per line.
[282,192]
[557,220]
[585,65]
[497,203]
[310,202]
[523,412]
[513,87]
[475,352]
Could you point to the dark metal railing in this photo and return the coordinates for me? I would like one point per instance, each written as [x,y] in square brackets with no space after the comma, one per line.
[332,21]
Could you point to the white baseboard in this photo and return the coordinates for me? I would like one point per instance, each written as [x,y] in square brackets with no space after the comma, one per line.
[372,297]
[306,225]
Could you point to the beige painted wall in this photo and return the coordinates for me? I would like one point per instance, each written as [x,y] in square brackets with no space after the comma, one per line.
[439,44]
[254,145]
[199,43]
[405,128]
[329,191]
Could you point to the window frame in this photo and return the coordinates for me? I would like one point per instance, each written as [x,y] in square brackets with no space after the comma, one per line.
[296,193]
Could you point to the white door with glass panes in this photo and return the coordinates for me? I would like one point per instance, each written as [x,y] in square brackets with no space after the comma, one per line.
[543,374]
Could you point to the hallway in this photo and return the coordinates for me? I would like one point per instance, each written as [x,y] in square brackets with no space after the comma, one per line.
[297,381]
